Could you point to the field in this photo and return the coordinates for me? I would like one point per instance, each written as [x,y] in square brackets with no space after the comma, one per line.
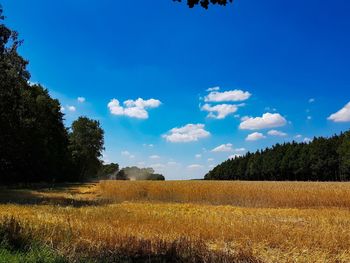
[193,221]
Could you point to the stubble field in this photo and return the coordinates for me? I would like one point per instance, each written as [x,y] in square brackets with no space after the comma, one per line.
[193,221]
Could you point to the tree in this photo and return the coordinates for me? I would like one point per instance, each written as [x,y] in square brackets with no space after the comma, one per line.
[344,157]
[33,141]
[323,159]
[135,173]
[108,171]
[86,145]
[205,3]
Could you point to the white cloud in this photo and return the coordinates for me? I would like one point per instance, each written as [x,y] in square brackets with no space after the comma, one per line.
[268,120]
[211,166]
[309,117]
[187,133]
[154,157]
[240,149]
[307,140]
[63,108]
[223,148]
[148,145]
[128,154]
[210,159]
[71,108]
[231,95]
[276,133]
[172,163]
[219,111]
[343,115]
[81,99]
[298,136]
[255,136]
[234,156]
[194,166]
[311,100]
[198,156]
[213,89]
[133,108]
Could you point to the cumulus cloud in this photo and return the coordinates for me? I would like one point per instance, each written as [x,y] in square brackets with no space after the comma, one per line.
[230,95]
[311,100]
[213,89]
[276,133]
[127,154]
[343,115]
[210,159]
[154,156]
[81,99]
[223,148]
[71,108]
[307,140]
[268,120]
[133,108]
[187,133]
[240,149]
[194,166]
[219,111]
[298,136]
[198,156]
[255,136]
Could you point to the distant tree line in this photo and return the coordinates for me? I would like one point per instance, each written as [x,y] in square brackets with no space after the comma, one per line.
[111,172]
[135,173]
[323,159]
[205,3]
[35,146]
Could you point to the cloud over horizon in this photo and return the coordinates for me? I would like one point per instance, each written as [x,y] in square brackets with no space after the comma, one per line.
[343,115]
[268,120]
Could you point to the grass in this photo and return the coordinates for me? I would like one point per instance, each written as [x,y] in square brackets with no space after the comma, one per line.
[190,221]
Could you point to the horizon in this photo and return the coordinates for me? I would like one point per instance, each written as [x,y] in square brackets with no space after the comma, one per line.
[181,90]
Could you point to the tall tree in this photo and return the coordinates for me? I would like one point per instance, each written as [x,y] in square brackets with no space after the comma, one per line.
[86,145]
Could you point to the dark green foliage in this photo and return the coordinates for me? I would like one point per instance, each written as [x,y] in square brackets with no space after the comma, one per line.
[205,3]
[86,145]
[33,141]
[108,171]
[34,144]
[135,173]
[324,159]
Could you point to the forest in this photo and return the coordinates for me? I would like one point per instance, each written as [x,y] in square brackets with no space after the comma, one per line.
[323,159]
[35,145]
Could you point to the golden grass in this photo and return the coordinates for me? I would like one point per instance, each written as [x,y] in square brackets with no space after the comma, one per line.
[275,222]
[236,193]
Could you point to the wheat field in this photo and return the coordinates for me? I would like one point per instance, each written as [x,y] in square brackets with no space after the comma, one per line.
[251,221]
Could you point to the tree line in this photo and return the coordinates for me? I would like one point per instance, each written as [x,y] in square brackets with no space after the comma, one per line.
[35,146]
[323,159]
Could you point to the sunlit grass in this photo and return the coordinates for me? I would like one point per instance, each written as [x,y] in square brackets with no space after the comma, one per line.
[275,222]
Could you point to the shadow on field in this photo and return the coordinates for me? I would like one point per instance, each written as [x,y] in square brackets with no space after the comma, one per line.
[61,195]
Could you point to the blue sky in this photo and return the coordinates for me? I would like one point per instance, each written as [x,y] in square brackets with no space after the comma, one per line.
[282,68]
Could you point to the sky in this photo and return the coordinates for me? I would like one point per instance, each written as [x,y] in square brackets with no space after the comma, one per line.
[182,90]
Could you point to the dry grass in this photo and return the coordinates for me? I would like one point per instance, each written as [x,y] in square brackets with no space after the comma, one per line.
[236,193]
[273,222]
